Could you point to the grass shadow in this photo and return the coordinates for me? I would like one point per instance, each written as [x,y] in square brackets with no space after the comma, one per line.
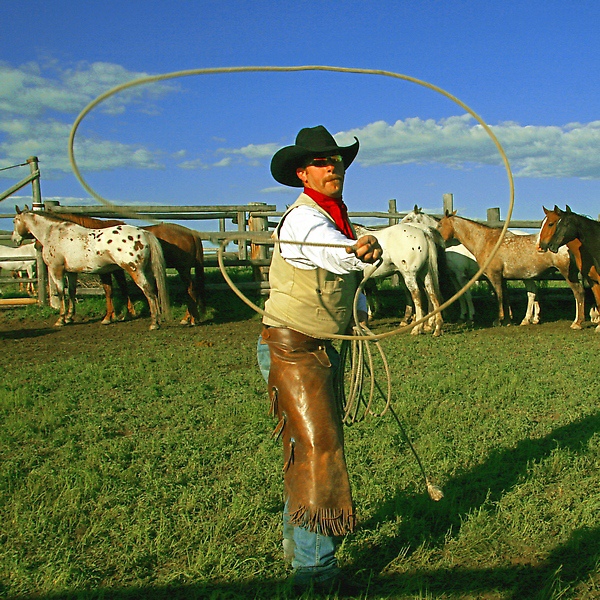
[432,523]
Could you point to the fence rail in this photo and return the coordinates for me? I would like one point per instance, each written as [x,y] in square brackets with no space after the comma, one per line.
[255,217]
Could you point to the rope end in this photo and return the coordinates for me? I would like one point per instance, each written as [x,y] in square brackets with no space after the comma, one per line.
[435,493]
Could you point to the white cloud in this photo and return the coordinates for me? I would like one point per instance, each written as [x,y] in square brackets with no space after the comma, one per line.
[459,142]
[572,150]
[38,103]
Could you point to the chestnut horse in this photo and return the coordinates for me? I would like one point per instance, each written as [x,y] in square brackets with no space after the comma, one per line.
[550,236]
[517,258]
[69,249]
[183,251]
[462,266]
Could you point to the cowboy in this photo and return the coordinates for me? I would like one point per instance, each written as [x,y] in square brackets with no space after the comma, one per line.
[312,295]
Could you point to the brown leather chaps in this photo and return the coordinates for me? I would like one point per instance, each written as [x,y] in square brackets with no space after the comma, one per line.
[302,397]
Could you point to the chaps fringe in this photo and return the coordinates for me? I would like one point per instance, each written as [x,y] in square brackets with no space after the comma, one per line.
[326,521]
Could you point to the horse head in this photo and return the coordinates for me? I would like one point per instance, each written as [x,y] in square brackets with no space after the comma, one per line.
[558,229]
[20,226]
[417,216]
[547,228]
[446,226]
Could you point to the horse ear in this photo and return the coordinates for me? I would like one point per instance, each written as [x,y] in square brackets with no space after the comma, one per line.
[546,211]
[568,209]
[17,210]
[416,209]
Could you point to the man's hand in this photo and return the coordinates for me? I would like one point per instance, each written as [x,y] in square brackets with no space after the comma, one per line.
[367,249]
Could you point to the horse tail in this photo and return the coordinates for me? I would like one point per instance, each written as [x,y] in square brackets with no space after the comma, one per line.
[159,271]
[433,261]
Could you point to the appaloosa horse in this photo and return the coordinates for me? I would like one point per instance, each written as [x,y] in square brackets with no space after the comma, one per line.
[516,258]
[183,251]
[564,227]
[69,249]
[410,251]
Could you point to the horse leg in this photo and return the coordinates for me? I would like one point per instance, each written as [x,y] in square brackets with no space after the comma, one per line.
[143,282]
[122,283]
[415,293]
[579,295]
[109,317]
[71,293]
[434,303]
[532,315]
[499,286]
[58,278]
[192,315]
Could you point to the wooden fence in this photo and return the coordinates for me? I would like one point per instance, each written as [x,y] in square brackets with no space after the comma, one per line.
[255,217]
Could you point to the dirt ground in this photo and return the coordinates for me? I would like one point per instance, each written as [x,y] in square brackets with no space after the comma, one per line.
[29,339]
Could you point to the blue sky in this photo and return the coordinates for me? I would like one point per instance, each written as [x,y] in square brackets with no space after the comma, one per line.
[529,69]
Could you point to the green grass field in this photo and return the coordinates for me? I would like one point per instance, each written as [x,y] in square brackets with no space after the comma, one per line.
[137,464]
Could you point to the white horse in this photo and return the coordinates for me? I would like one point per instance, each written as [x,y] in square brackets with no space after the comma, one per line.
[69,249]
[13,260]
[412,252]
[463,265]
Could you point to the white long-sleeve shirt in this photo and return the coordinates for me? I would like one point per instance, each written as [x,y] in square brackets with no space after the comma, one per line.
[309,225]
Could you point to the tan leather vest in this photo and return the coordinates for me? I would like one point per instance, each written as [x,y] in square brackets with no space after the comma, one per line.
[314,301]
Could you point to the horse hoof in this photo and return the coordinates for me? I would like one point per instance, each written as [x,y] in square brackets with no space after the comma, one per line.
[576,326]
[154,327]
[59,324]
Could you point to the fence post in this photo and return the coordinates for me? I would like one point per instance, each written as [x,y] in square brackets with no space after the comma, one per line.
[392,209]
[35,184]
[259,251]
[447,203]
[493,216]
[42,269]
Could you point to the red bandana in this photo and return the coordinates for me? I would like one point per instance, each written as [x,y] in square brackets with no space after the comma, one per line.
[335,208]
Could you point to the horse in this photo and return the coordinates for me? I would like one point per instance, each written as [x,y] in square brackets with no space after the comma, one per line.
[183,251]
[553,234]
[462,266]
[69,249]
[412,252]
[460,262]
[19,264]
[517,258]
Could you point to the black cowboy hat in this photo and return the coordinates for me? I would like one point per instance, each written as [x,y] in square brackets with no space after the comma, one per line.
[311,142]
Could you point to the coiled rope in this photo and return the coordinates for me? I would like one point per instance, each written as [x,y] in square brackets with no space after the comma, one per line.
[361,349]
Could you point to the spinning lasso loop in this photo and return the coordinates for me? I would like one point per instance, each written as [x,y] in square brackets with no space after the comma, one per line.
[363,333]
[222,70]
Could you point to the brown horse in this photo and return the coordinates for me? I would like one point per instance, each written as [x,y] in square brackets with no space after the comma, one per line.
[583,257]
[183,251]
[517,258]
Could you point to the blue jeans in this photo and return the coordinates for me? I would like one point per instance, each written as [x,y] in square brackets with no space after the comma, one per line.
[312,554]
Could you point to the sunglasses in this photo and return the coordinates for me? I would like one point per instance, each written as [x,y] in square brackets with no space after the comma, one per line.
[328,160]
